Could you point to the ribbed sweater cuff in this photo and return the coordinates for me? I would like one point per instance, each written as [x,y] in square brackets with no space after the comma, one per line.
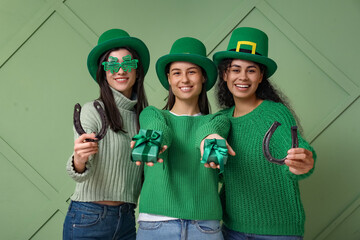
[78,177]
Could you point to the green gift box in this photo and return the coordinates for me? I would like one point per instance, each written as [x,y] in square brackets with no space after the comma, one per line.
[147,146]
[215,150]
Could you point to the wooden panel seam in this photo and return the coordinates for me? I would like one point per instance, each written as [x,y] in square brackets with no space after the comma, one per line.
[305,46]
[34,227]
[27,170]
[25,33]
[229,24]
[338,220]
[320,61]
[77,24]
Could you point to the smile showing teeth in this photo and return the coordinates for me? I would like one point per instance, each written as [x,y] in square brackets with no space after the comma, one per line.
[242,86]
[120,79]
[185,89]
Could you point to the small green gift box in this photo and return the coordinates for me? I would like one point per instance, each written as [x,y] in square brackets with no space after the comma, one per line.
[147,146]
[215,150]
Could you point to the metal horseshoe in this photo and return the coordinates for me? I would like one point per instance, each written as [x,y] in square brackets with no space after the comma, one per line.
[266,142]
[79,129]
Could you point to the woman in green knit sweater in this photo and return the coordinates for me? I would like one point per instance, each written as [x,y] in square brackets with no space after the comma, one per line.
[261,200]
[179,198]
[107,183]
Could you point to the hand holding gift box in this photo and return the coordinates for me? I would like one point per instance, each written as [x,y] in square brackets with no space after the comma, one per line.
[215,150]
[147,146]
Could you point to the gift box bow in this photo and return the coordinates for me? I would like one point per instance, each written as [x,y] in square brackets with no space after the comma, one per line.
[150,138]
[221,152]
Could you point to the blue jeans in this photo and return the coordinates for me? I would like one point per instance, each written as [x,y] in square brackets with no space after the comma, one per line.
[86,220]
[234,235]
[179,229]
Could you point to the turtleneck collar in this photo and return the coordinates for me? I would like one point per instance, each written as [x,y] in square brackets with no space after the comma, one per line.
[122,101]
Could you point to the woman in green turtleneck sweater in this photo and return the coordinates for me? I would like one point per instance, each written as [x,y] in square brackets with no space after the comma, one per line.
[261,200]
[107,183]
[179,198]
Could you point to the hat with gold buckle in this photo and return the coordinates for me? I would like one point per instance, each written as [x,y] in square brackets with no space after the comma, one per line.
[248,44]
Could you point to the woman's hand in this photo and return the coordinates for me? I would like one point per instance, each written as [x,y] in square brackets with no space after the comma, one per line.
[216,136]
[83,150]
[150,164]
[299,160]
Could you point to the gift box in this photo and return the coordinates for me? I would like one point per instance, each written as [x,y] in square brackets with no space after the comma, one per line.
[147,146]
[215,150]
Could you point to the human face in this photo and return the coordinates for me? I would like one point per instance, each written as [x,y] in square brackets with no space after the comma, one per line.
[121,81]
[243,78]
[185,80]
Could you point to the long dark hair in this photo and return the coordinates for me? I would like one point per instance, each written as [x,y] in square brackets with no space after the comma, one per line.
[106,96]
[203,101]
[265,90]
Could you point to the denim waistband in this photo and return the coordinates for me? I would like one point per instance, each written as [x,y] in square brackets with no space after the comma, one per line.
[102,209]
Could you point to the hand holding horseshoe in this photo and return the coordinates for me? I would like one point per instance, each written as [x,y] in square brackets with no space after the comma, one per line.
[86,145]
[299,160]
[79,129]
[266,143]
[83,149]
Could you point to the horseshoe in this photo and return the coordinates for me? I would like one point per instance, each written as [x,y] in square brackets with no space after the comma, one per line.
[266,142]
[80,130]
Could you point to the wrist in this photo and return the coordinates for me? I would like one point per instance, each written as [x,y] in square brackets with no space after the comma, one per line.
[78,167]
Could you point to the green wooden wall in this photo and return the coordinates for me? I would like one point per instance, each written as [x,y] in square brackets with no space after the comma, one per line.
[43,50]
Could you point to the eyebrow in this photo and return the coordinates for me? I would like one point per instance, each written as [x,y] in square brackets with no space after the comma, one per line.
[178,69]
[251,66]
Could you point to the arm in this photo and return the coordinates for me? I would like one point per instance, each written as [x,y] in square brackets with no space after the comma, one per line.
[218,127]
[300,161]
[153,119]
[80,165]
[216,124]
[82,151]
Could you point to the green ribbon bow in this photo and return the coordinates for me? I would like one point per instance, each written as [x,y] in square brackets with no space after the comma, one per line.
[149,140]
[220,153]
[114,66]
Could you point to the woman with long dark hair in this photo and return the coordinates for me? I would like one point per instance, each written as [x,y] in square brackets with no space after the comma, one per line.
[261,200]
[107,183]
[179,198]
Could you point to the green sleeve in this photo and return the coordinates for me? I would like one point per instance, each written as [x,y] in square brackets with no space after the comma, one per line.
[91,122]
[152,118]
[216,123]
[281,141]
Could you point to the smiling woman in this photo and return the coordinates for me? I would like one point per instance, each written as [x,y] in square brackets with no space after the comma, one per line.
[177,195]
[107,182]
[261,200]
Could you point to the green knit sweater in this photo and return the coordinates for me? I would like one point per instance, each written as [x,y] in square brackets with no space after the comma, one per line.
[109,174]
[260,197]
[182,187]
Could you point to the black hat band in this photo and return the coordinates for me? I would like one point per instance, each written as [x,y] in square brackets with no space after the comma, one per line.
[245,51]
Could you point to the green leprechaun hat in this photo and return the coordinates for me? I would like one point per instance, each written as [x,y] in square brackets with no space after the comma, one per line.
[187,49]
[248,44]
[116,38]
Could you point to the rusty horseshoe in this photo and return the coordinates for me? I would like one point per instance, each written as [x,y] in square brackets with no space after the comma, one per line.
[266,142]
[80,130]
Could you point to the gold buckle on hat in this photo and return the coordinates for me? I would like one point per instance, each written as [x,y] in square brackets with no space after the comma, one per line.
[252,44]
